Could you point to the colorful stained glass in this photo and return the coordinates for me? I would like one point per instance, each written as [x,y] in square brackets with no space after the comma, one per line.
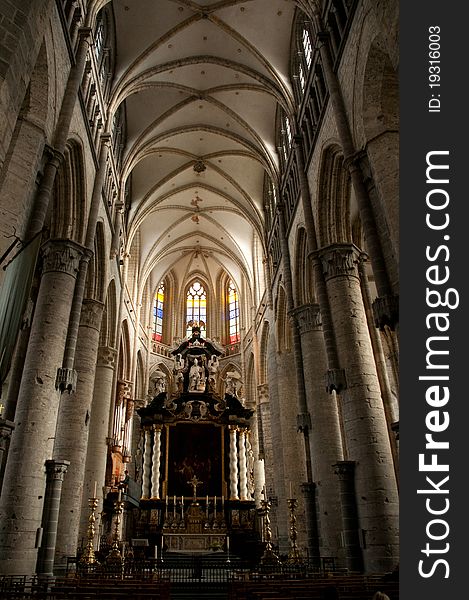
[158,305]
[196,307]
[233,313]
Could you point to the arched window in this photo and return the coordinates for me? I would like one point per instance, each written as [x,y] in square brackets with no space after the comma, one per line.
[307,47]
[196,307]
[233,313]
[285,137]
[158,305]
[99,36]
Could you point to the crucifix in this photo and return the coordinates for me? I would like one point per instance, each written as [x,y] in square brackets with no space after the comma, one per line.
[194,482]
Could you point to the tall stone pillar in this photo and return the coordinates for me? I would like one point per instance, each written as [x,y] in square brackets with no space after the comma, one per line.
[71,440]
[6,428]
[325,426]
[56,470]
[364,422]
[345,470]
[22,498]
[99,430]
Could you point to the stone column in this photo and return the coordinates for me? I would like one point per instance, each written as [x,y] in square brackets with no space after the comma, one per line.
[146,472]
[6,428]
[350,522]
[233,463]
[155,474]
[56,470]
[71,440]
[325,425]
[97,449]
[364,422]
[243,480]
[22,499]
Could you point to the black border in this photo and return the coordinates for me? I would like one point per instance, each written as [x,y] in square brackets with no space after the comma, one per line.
[421,132]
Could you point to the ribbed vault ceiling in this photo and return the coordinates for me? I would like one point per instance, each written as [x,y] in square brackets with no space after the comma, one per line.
[201,83]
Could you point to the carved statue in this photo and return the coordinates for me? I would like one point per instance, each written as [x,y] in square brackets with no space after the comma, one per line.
[179,366]
[213,366]
[196,377]
[160,381]
[233,383]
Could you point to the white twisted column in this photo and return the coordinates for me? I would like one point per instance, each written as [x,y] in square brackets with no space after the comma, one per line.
[155,474]
[243,479]
[233,463]
[250,466]
[146,472]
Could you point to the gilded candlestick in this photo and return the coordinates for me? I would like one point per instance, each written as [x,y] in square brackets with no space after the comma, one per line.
[294,556]
[88,558]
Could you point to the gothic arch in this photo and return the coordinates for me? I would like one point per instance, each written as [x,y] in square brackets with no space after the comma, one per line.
[124,366]
[107,336]
[251,385]
[68,206]
[140,379]
[380,120]
[303,274]
[334,199]
[264,345]
[210,301]
[96,274]
[282,323]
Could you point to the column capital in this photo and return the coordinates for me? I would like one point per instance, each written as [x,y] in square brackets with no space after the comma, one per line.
[157,427]
[6,427]
[91,314]
[61,256]
[335,380]
[340,260]
[386,311]
[263,393]
[66,380]
[124,390]
[308,318]
[345,469]
[106,357]
[56,469]
[303,422]
[233,428]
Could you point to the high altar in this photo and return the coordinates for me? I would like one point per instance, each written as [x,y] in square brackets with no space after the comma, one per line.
[197,475]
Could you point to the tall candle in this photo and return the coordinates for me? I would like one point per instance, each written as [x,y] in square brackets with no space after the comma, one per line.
[291,494]
[119,496]
[215,506]
[94,491]
[228,542]
[223,502]
[156,551]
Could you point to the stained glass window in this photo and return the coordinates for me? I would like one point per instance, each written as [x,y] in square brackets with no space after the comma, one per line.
[233,313]
[196,307]
[158,313]
[307,48]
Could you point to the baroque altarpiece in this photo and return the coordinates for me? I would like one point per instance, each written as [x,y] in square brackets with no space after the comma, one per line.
[197,472]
